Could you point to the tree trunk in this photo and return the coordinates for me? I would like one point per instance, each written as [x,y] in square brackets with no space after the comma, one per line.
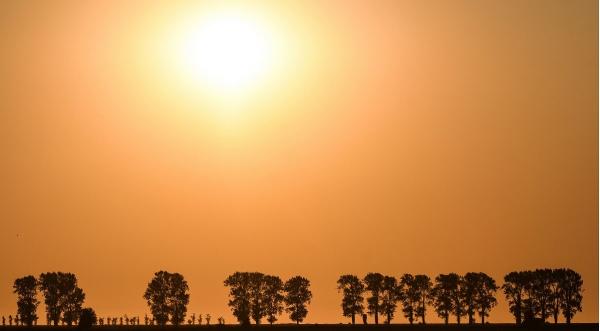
[353,318]
[556,317]
[458,319]
[376,315]
[423,313]
[446,319]
[482,318]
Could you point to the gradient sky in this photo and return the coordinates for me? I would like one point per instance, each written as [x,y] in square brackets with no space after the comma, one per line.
[391,136]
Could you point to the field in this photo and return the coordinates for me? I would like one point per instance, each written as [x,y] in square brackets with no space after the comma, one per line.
[331,327]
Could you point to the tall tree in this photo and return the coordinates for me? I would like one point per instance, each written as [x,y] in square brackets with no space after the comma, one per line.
[167,295]
[27,302]
[390,295]
[297,297]
[485,298]
[514,291]
[570,292]
[239,296]
[458,302]
[257,301]
[62,296]
[542,291]
[352,289]
[48,283]
[374,284]
[530,306]
[444,293]
[71,297]
[555,297]
[409,297]
[423,286]
[273,294]
[471,283]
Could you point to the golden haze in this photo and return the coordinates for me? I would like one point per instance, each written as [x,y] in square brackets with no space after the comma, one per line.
[389,136]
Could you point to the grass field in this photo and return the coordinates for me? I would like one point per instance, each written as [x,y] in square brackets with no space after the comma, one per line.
[334,327]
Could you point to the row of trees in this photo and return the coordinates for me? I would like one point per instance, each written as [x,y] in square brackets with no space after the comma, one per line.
[542,293]
[253,295]
[537,294]
[62,296]
[256,295]
[450,295]
[531,295]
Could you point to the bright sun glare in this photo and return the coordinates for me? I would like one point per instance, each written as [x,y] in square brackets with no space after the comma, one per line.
[229,52]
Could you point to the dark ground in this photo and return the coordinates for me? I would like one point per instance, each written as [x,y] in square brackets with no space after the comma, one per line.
[328,327]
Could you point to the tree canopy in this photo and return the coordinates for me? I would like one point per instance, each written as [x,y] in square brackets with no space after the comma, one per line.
[27,302]
[167,295]
[297,297]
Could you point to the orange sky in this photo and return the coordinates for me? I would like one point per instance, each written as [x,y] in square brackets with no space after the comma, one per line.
[393,136]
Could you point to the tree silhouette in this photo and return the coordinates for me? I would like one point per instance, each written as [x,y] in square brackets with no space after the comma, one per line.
[530,306]
[48,283]
[27,302]
[542,290]
[167,296]
[61,296]
[239,296]
[514,291]
[390,295]
[570,293]
[71,297]
[485,298]
[258,308]
[297,297]
[446,296]
[458,300]
[352,289]
[471,283]
[273,296]
[410,298]
[555,298]
[423,285]
[87,318]
[374,284]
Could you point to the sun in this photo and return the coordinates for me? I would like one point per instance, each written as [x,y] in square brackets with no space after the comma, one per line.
[226,51]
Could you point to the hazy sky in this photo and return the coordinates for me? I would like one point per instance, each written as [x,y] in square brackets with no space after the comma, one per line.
[389,136]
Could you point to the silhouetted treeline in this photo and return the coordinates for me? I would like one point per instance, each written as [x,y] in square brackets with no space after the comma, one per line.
[534,296]
[256,295]
[62,296]
[543,293]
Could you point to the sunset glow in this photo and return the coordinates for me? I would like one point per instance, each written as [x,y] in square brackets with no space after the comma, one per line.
[296,138]
[226,51]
